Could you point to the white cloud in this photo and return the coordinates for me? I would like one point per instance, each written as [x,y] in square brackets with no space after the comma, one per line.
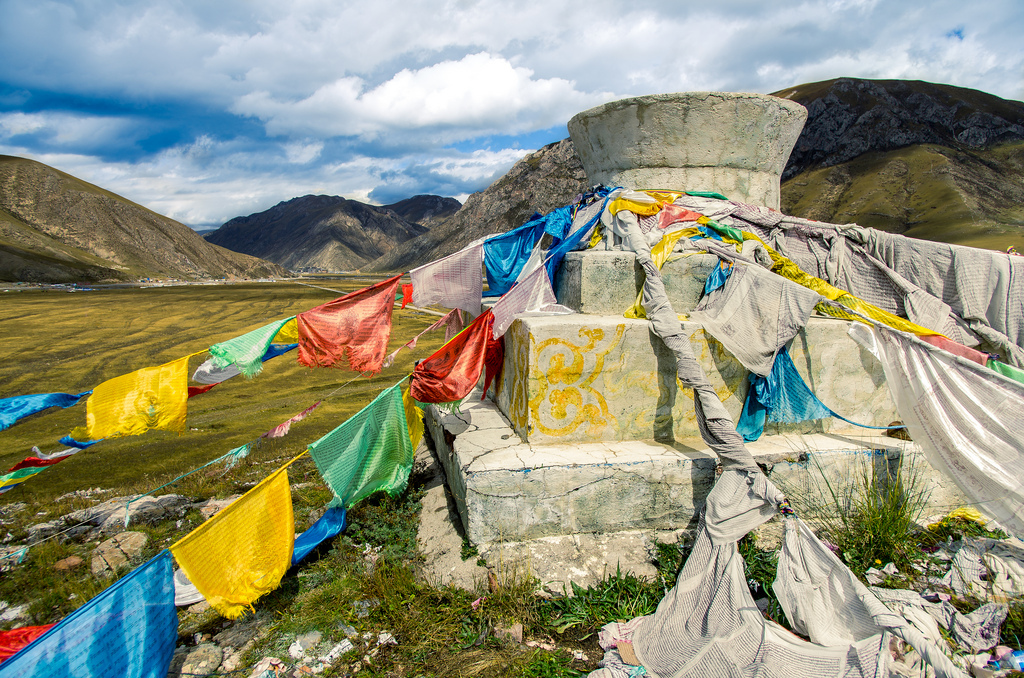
[480,94]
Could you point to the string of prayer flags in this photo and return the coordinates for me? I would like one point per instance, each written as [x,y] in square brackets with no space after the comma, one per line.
[356,326]
[128,630]
[30,466]
[150,398]
[369,452]
[246,351]
[453,282]
[12,641]
[282,429]
[18,407]
[209,373]
[450,374]
[452,323]
[242,552]
[330,524]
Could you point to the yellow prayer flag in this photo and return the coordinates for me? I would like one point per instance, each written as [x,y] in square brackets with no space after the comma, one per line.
[153,397]
[289,334]
[413,418]
[242,552]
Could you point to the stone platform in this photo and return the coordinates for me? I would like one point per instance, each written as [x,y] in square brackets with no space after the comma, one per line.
[510,491]
[587,378]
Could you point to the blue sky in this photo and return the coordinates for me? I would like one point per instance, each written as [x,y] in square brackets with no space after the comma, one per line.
[208,110]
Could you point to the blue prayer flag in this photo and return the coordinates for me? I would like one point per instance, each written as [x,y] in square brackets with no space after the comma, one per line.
[18,407]
[129,630]
[330,524]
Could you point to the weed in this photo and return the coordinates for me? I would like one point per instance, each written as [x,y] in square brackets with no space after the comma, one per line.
[550,665]
[873,519]
[622,596]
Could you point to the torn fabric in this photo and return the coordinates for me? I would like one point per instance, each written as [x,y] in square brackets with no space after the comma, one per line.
[964,416]
[352,331]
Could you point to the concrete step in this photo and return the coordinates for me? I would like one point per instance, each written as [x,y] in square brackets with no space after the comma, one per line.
[589,379]
[601,282]
[507,490]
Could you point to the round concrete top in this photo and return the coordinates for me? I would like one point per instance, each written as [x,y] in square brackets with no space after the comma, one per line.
[688,129]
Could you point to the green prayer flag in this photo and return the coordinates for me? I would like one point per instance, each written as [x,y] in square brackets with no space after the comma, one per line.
[369,452]
[246,352]
[1006,370]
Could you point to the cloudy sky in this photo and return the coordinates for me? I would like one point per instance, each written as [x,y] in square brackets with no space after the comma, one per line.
[205,110]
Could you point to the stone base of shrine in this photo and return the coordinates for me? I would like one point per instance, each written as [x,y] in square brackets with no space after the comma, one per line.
[508,491]
[588,379]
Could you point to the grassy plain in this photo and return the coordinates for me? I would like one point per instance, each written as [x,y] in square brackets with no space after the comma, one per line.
[52,341]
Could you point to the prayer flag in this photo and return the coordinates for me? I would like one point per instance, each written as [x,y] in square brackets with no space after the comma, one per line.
[329,525]
[150,398]
[369,452]
[406,295]
[532,294]
[246,352]
[15,639]
[18,407]
[357,325]
[193,391]
[451,373]
[80,444]
[281,430]
[505,255]
[289,334]
[413,419]
[128,630]
[455,281]
[209,373]
[30,466]
[242,552]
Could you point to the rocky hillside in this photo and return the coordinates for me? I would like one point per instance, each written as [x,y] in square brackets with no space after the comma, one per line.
[329,232]
[929,161]
[540,182]
[849,117]
[57,228]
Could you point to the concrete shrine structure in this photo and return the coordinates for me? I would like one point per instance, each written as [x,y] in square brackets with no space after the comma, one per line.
[587,450]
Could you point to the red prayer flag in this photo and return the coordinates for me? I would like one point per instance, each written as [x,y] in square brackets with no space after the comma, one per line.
[452,372]
[198,390]
[406,294]
[15,639]
[357,325]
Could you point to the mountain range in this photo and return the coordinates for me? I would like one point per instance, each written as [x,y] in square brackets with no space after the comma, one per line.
[322,232]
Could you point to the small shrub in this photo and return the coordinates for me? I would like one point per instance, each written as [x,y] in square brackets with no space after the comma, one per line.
[622,596]
[873,519]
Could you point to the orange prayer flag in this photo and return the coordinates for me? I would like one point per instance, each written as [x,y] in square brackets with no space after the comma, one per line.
[357,325]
